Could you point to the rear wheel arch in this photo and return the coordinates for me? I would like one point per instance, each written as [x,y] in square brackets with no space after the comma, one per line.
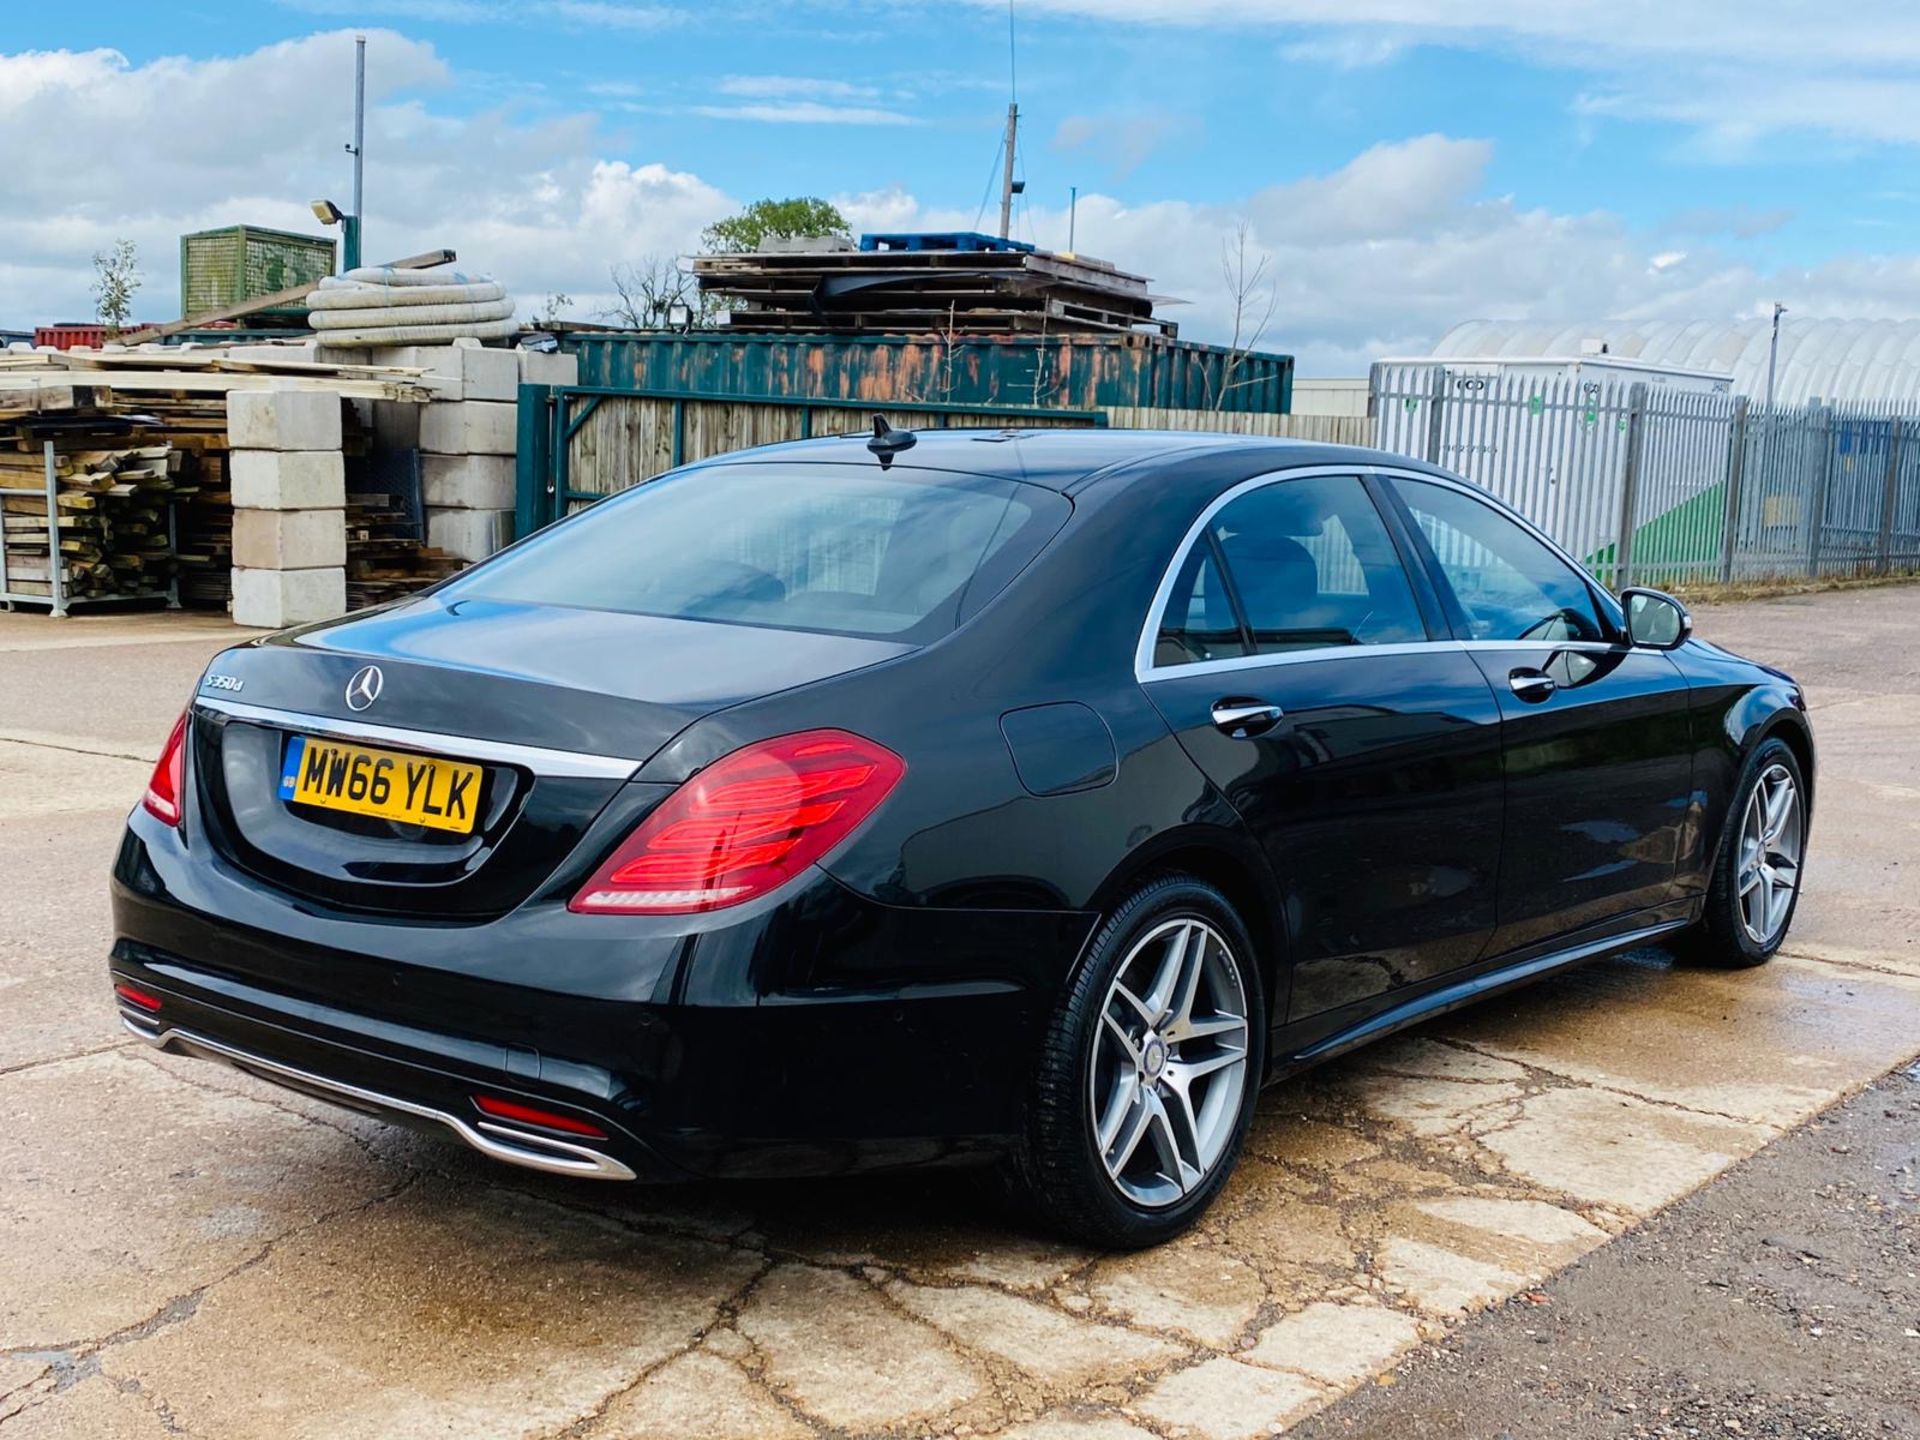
[1230,866]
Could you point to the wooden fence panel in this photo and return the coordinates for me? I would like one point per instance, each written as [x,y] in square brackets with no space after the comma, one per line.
[1326,429]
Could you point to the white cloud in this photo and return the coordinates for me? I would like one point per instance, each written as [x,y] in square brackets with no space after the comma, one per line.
[1376,256]
[1125,140]
[785,86]
[602,14]
[1386,253]
[1734,68]
[1348,49]
[805,112]
[157,150]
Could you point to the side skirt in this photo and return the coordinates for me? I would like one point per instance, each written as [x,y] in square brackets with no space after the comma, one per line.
[1454,995]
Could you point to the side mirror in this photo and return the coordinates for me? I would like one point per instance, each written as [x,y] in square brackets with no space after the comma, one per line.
[1656,620]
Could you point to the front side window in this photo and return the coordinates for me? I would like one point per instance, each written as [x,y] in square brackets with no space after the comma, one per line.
[1511,586]
[839,549]
[1305,564]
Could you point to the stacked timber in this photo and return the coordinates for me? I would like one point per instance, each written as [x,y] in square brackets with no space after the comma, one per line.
[204,528]
[112,516]
[386,558]
[958,284]
[111,527]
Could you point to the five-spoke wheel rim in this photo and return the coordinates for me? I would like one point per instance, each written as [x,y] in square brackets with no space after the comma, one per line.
[1771,838]
[1168,1070]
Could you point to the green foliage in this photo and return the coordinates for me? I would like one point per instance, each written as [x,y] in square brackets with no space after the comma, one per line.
[116,281]
[786,219]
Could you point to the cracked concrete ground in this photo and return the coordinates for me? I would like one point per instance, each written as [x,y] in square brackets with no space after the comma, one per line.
[184,1250]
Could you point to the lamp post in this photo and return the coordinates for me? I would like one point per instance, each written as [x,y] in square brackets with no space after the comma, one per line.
[325,211]
[328,213]
[1773,349]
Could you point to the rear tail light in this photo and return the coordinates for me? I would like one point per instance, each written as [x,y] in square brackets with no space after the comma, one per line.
[134,995]
[169,783]
[745,825]
[531,1115]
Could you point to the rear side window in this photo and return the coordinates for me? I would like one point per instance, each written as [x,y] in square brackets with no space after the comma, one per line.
[838,549]
[1308,563]
[1200,622]
[1511,586]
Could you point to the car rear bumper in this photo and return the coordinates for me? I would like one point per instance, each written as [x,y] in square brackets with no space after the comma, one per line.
[820,1034]
[525,1145]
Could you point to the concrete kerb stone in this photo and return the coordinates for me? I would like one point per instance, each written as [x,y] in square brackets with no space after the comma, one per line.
[467,482]
[276,418]
[288,479]
[289,539]
[469,427]
[275,599]
[469,534]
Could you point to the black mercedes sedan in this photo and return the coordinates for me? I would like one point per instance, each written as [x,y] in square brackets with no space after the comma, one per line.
[1023,799]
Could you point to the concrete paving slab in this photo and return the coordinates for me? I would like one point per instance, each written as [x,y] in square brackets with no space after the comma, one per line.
[382,1283]
[127,1192]
[443,1311]
[54,935]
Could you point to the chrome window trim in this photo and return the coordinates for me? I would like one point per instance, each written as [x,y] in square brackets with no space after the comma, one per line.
[1144,668]
[560,764]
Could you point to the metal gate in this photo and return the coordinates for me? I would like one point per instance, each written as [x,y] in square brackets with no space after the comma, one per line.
[581,443]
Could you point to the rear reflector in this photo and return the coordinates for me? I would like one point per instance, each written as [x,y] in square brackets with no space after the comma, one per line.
[168,783]
[745,825]
[134,995]
[530,1115]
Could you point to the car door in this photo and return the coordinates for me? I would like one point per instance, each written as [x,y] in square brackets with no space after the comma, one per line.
[1596,742]
[1292,650]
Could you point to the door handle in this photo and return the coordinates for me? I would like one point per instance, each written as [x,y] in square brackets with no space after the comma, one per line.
[1244,719]
[1531,685]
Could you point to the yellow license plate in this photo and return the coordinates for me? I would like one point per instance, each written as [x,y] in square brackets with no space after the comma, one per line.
[413,789]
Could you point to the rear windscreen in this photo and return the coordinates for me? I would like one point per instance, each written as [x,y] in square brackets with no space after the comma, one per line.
[840,549]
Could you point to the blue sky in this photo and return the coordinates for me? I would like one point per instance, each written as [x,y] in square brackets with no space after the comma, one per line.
[1400,164]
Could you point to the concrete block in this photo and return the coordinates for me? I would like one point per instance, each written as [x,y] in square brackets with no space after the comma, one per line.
[467,482]
[542,368]
[470,534]
[283,419]
[279,598]
[396,424]
[289,539]
[464,370]
[469,427]
[287,479]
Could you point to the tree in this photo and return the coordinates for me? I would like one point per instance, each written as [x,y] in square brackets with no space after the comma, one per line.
[116,281]
[782,219]
[646,292]
[549,309]
[1254,297]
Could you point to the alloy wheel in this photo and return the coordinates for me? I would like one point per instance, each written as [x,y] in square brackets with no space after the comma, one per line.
[1169,1065]
[1772,835]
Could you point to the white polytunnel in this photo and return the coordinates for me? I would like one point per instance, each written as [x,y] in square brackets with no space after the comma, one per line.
[1826,360]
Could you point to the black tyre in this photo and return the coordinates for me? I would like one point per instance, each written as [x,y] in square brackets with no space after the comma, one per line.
[1149,1073]
[1758,871]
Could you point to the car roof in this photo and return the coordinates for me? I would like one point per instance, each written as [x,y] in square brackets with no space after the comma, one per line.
[1066,458]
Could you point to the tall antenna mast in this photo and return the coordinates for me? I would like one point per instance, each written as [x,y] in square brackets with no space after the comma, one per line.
[358,147]
[1013,131]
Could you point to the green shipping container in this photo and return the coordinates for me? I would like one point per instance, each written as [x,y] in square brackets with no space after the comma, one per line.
[220,268]
[1070,372]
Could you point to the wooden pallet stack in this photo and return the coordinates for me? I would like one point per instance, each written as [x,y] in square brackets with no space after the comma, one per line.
[960,284]
[110,537]
[170,409]
[386,558]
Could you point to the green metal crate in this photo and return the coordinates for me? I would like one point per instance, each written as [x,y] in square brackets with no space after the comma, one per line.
[219,268]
